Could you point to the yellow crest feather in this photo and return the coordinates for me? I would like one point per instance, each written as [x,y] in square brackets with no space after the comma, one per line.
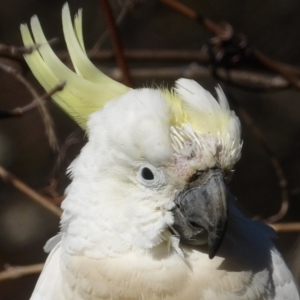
[86,91]
[201,121]
[178,114]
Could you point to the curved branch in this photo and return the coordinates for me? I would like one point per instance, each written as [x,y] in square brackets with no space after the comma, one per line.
[18,271]
[25,189]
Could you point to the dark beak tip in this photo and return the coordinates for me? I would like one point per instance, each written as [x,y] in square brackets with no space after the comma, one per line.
[215,241]
[211,255]
[212,251]
[203,202]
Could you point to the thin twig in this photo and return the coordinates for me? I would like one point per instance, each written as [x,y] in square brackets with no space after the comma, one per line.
[46,117]
[20,111]
[190,71]
[183,9]
[125,8]
[18,52]
[25,189]
[286,227]
[291,73]
[144,54]
[72,139]
[253,81]
[225,34]
[13,272]
[116,41]
[282,181]
[215,28]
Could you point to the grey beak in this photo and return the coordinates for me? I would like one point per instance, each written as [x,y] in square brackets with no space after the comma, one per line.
[200,215]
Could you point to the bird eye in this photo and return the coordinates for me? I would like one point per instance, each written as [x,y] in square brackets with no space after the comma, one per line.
[147,174]
[151,176]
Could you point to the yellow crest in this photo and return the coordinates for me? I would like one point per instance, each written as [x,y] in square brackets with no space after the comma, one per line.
[88,89]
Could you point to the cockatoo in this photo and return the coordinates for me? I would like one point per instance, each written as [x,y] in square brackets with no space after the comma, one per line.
[148,214]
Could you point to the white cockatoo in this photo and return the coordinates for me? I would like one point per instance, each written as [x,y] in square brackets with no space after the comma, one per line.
[148,214]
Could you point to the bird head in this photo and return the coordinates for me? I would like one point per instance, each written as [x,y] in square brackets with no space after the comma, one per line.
[155,166]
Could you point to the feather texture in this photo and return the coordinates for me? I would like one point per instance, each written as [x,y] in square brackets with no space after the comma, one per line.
[83,93]
[115,241]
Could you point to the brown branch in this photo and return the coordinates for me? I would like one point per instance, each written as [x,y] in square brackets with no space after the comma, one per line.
[282,181]
[20,111]
[183,9]
[224,32]
[160,54]
[291,73]
[72,139]
[126,7]
[190,71]
[25,189]
[255,80]
[11,272]
[116,41]
[45,116]
[286,227]
[215,28]
[242,77]
[18,52]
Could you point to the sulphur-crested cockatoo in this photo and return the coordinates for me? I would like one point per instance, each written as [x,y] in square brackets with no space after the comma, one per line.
[148,214]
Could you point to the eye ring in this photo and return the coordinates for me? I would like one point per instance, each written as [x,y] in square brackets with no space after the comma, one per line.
[147,174]
[151,176]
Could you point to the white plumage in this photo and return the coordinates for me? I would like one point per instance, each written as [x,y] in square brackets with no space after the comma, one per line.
[146,149]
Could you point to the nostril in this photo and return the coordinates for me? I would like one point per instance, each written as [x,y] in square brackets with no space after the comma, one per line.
[196,176]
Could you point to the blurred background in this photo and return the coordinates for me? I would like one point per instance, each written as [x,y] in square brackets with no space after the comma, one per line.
[268,173]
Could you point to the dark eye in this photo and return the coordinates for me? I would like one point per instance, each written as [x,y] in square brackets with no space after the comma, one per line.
[147,174]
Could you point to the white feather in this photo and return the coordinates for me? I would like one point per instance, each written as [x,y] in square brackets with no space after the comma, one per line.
[49,285]
[115,242]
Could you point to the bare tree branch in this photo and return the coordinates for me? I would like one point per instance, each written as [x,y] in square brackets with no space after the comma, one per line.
[116,41]
[144,54]
[15,272]
[251,80]
[25,189]
[126,6]
[286,227]
[18,52]
[225,36]
[19,111]
[282,180]
[45,115]
[72,139]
